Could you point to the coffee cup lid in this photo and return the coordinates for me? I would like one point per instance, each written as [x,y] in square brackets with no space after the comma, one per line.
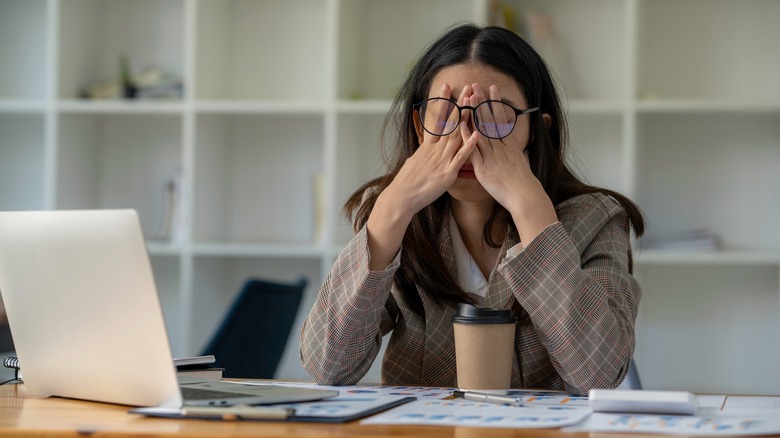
[468,314]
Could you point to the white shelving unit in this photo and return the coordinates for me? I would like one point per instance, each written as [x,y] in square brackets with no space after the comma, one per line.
[673,102]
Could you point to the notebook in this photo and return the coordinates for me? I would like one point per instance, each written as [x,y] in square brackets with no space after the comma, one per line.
[86,319]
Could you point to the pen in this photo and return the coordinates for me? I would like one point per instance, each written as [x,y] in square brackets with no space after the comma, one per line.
[499,399]
[238,412]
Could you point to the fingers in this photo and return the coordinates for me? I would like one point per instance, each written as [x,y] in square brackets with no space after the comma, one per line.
[499,113]
[437,114]
[486,121]
[470,139]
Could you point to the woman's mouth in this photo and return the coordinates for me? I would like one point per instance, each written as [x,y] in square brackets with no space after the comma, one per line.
[467,172]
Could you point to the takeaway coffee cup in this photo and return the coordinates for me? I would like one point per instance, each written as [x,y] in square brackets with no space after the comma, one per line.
[484,344]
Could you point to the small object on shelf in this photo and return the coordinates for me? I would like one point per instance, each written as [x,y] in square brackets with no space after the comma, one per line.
[149,83]
[129,90]
[171,225]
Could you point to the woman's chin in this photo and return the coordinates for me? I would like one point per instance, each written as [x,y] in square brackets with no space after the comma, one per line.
[468,190]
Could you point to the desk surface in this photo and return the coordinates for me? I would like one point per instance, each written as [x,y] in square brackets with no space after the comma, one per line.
[25,414]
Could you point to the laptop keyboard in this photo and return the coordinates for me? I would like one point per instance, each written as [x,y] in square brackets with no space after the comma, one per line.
[206,394]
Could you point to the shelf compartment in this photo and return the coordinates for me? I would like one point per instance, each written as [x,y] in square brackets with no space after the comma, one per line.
[714,172]
[255,178]
[717,320]
[580,33]
[23,49]
[119,161]
[22,167]
[358,160]
[240,44]
[167,279]
[597,155]
[217,281]
[94,34]
[379,41]
[732,54]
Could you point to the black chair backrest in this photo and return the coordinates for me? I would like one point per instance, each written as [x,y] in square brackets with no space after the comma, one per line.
[254,332]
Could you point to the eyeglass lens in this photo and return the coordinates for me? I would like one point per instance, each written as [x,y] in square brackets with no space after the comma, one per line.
[493,119]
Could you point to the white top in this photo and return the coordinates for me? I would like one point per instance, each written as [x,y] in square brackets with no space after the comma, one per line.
[470,277]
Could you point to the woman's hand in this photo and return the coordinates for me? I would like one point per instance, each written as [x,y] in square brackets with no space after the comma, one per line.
[502,167]
[425,176]
[434,167]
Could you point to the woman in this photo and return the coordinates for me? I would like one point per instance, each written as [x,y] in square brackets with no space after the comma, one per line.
[480,207]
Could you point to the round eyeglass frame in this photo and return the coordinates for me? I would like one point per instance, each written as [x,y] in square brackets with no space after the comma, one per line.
[518,112]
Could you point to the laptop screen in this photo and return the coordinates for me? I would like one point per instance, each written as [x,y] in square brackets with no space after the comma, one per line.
[83,307]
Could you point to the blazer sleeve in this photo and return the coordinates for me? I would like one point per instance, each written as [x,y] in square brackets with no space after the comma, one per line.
[574,281]
[342,334]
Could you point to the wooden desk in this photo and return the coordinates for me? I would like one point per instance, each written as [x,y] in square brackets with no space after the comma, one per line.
[22,414]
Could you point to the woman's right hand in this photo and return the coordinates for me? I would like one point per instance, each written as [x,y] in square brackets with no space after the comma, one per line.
[434,166]
[425,176]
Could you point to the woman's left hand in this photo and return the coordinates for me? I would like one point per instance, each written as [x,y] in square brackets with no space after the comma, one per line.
[503,169]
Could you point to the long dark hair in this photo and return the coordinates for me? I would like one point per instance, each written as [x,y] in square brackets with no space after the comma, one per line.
[421,262]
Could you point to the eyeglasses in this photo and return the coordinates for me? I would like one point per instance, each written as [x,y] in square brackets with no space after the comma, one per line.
[492,118]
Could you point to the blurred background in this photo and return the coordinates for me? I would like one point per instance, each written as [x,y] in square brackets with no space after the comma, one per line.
[237,128]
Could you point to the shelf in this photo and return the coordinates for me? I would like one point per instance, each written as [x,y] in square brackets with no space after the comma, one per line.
[260,107]
[715,258]
[163,248]
[22,106]
[364,106]
[120,107]
[301,251]
[707,106]
[594,106]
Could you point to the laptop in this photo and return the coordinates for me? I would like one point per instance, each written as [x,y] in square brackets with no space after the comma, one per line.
[86,318]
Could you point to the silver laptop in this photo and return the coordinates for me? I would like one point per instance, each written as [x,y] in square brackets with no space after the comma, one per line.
[86,319]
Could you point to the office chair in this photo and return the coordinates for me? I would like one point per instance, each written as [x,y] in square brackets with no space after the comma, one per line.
[632,378]
[250,341]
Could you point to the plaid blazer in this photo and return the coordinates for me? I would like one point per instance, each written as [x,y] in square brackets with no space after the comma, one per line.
[570,288]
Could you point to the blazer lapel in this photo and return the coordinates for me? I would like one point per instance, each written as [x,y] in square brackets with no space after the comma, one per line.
[499,296]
